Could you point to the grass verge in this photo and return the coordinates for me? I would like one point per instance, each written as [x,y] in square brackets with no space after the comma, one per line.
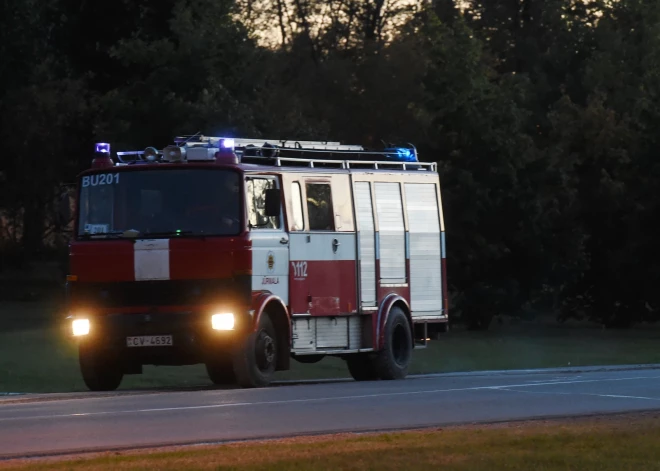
[609,443]
[37,357]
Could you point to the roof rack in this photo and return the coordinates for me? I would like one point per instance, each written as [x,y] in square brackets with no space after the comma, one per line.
[344,164]
[196,140]
[314,154]
[279,152]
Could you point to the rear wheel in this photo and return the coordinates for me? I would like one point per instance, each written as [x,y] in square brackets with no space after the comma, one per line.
[393,360]
[361,367]
[101,371]
[255,361]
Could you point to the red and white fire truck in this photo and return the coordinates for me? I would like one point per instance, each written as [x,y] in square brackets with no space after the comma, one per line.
[242,254]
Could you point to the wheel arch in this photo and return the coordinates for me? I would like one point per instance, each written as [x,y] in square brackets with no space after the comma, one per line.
[391,301]
[266,303]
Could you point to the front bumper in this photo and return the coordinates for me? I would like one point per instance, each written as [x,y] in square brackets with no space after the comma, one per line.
[193,338]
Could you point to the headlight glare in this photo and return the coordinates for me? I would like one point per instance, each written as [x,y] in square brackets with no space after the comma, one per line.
[223,321]
[80,327]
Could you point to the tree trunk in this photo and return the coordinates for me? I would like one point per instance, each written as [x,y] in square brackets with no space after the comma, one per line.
[280,17]
[302,13]
[373,20]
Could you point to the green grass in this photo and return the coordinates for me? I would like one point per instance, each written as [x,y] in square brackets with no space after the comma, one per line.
[37,357]
[594,444]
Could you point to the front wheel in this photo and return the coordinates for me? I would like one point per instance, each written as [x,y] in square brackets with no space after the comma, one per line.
[393,361]
[255,360]
[100,369]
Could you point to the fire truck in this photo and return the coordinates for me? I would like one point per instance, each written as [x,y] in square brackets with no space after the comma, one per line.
[243,254]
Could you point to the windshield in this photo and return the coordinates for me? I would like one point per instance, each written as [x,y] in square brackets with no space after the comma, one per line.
[160,203]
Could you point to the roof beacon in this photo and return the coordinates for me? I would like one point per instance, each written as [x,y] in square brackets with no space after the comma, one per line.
[102,158]
[225,153]
[402,154]
[102,148]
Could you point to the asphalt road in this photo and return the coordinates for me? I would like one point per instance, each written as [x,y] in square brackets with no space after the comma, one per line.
[91,422]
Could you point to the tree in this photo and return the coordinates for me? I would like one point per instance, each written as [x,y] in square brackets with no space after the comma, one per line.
[475,129]
[618,170]
[43,111]
[197,77]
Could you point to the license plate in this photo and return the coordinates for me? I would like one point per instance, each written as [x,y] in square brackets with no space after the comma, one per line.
[149,341]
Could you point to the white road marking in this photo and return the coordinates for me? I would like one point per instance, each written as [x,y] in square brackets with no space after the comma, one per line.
[559,393]
[629,397]
[551,382]
[560,378]
[504,387]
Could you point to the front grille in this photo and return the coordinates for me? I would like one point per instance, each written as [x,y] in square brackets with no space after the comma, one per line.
[160,292]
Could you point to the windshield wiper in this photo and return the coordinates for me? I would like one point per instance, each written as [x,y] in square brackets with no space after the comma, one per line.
[177,232]
[89,235]
[135,234]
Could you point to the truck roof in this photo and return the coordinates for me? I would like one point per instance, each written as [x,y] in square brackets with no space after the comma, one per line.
[266,155]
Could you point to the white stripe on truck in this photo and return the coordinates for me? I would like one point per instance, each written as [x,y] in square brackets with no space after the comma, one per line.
[151,259]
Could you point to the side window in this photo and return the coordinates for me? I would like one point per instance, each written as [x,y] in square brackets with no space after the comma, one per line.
[256,200]
[296,204]
[96,211]
[319,207]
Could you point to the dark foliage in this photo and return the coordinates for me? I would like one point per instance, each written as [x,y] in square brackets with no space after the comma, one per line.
[542,115]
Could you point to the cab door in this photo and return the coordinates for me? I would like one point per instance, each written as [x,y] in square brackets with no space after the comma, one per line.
[270,242]
[323,251]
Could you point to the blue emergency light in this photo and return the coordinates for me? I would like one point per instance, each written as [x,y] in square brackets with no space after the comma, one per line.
[102,147]
[401,154]
[102,157]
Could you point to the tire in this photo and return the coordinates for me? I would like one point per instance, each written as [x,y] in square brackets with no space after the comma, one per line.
[256,359]
[393,361]
[361,367]
[220,369]
[100,369]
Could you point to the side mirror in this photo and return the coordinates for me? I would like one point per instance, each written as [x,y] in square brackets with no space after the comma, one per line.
[273,198]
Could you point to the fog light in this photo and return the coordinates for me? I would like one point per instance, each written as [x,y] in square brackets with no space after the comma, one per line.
[80,327]
[223,321]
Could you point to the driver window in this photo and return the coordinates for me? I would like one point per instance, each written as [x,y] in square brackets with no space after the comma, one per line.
[256,199]
[319,207]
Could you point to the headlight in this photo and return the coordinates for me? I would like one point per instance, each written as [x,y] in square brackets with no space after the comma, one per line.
[224,321]
[80,327]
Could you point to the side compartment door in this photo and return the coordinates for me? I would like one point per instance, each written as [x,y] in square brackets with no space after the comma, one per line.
[323,256]
[425,249]
[270,243]
[366,236]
